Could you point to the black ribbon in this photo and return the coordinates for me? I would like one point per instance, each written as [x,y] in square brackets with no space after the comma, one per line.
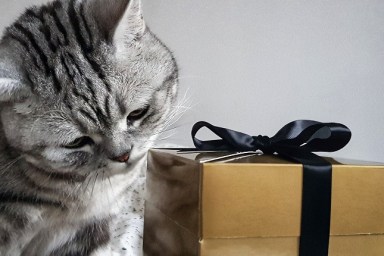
[296,141]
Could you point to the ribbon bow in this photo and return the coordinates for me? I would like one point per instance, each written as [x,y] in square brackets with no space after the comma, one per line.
[296,141]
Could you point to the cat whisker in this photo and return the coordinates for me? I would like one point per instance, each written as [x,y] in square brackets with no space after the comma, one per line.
[110,183]
[112,191]
[94,184]
[166,130]
[165,138]
[86,186]
[190,77]
[175,116]
[10,164]
[170,129]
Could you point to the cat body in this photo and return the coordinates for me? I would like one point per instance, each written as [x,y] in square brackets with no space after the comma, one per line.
[52,225]
[85,89]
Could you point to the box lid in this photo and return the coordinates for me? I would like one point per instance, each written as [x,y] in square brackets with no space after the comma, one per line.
[251,157]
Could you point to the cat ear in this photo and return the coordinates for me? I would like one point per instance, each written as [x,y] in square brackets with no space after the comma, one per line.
[12,87]
[119,21]
[131,27]
[9,89]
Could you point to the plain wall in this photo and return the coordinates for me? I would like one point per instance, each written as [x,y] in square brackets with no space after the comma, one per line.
[254,65]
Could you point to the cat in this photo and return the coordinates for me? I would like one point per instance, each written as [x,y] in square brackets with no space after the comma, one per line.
[85,89]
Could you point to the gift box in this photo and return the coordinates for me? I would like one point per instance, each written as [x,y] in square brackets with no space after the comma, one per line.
[222,203]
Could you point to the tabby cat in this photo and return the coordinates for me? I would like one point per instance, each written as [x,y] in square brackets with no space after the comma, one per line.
[85,88]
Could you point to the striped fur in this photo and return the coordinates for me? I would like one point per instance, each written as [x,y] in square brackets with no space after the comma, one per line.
[69,69]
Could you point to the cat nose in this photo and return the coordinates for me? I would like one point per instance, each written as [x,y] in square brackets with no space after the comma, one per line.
[122,159]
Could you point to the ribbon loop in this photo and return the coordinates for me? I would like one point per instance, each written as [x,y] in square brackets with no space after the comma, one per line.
[307,135]
[296,141]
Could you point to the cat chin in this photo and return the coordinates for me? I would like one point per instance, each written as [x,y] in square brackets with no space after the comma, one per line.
[118,168]
[137,155]
[104,199]
[134,164]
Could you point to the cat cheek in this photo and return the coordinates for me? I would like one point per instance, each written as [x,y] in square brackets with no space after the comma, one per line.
[60,157]
[53,154]
[78,159]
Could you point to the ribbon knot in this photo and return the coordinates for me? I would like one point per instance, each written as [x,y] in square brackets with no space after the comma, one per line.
[263,143]
[296,141]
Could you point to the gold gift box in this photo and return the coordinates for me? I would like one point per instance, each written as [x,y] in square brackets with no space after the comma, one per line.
[218,203]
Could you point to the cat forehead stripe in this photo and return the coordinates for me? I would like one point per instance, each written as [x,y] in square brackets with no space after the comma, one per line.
[85,48]
[86,93]
[55,36]
[68,62]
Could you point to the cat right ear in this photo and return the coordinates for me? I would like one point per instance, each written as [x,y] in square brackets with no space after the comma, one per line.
[118,20]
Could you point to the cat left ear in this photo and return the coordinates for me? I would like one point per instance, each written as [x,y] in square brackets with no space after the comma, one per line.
[119,21]
[11,87]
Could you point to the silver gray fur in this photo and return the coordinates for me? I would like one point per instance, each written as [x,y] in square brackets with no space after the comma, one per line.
[71,69]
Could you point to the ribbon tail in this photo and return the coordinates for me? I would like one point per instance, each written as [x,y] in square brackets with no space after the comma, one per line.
[316,202]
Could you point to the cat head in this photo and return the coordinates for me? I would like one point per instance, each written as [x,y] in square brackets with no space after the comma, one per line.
[84,85]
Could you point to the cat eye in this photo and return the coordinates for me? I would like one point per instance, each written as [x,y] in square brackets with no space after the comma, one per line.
[137,114]
[79,143]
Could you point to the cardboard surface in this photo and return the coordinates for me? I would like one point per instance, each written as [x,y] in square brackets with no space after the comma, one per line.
[246,196]
[267,200]
[234,204]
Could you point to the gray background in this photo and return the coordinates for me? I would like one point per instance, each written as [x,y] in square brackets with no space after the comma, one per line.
[254,65]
